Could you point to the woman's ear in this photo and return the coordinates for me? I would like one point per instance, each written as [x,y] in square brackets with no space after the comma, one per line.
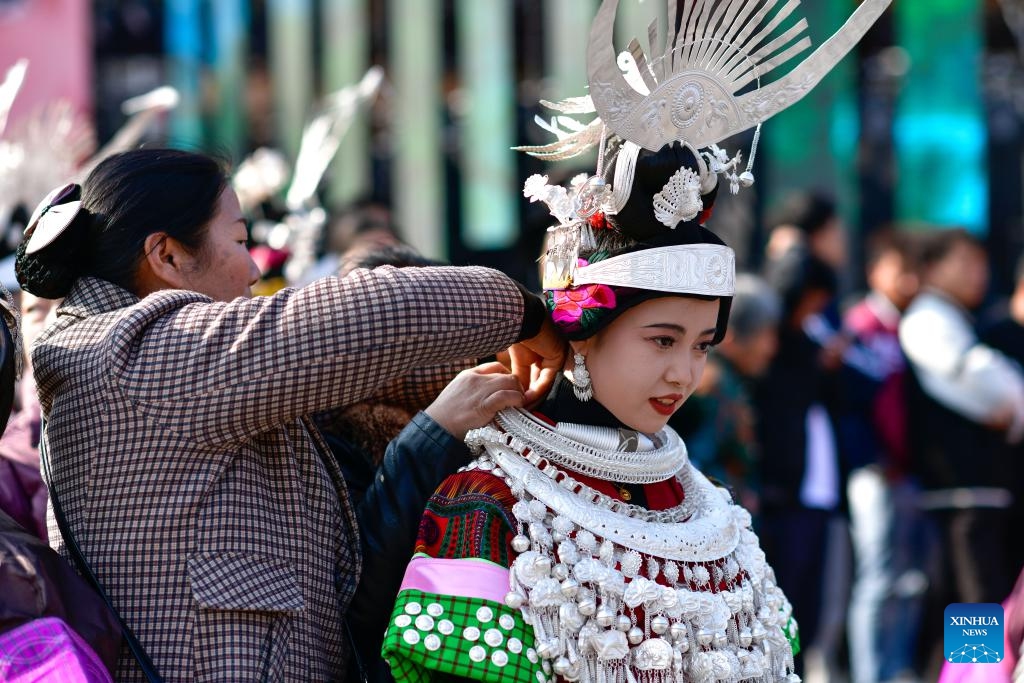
[165,264]
[581,346]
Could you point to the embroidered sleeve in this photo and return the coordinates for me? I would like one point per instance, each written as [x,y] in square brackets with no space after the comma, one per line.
[470,516]
[456,625]
[450,616]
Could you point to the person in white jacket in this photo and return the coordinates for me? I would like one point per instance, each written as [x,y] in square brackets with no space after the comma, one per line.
[938,336]
[966,401]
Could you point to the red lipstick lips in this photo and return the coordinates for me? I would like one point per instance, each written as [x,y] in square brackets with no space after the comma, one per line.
[662,407]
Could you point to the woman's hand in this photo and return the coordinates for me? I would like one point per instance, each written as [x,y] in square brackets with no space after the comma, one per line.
[537,361]
[473,398]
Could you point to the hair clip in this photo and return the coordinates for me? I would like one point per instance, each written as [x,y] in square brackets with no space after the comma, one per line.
[52,217]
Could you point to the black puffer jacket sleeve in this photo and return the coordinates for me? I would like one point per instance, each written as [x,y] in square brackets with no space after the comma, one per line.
[415,464]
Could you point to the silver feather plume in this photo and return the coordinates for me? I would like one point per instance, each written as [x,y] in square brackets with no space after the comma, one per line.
[690,91]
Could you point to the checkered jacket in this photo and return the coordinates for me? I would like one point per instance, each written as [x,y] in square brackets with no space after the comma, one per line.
[197,488]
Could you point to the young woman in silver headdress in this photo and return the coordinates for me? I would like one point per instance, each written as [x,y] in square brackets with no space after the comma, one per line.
[582,545]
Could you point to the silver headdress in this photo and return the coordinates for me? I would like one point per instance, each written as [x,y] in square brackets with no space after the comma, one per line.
[266,172]
[689,93]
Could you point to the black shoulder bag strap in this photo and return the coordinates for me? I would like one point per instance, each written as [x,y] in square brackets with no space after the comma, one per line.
[357,659]
[145,663]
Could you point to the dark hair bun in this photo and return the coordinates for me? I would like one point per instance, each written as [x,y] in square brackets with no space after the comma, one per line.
[51,272]
[636,219]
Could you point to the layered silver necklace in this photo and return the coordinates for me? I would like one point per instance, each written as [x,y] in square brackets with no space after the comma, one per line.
[619,594]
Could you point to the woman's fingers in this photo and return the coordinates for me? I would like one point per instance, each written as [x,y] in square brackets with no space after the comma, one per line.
[503,358]
[547,351]
[490,369]
[502,399]
[549,345]
[473,398]
[540,386]
[500,392]
[522,359]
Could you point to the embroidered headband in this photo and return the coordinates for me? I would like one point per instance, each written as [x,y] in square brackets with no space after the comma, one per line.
[708,269]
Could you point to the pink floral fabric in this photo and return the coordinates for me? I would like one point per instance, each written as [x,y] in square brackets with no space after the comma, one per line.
[570,306]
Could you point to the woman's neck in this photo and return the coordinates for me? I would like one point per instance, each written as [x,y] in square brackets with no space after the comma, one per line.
[561,405]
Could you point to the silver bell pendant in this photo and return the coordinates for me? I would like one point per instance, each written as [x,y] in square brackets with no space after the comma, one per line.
[514,599]
[520,543]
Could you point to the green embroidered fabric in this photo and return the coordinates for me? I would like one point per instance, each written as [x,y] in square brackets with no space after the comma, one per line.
[792,633]
[468,637]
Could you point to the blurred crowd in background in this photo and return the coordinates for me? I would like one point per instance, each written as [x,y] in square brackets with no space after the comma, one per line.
[868,404]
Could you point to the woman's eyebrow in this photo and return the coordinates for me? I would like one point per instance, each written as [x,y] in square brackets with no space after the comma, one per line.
[667,326]
[678,328]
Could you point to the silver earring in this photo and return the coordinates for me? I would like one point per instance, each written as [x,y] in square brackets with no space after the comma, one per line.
[581,379]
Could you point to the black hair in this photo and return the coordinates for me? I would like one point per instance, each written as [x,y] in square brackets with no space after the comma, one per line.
[636,228]
[653,170]
[397,255]
[809,211]
[936,246]
[127,198]
[891,240]
[797,273]
[755,306]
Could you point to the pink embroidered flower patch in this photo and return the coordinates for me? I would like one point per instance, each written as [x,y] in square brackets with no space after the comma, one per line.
[570,305]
